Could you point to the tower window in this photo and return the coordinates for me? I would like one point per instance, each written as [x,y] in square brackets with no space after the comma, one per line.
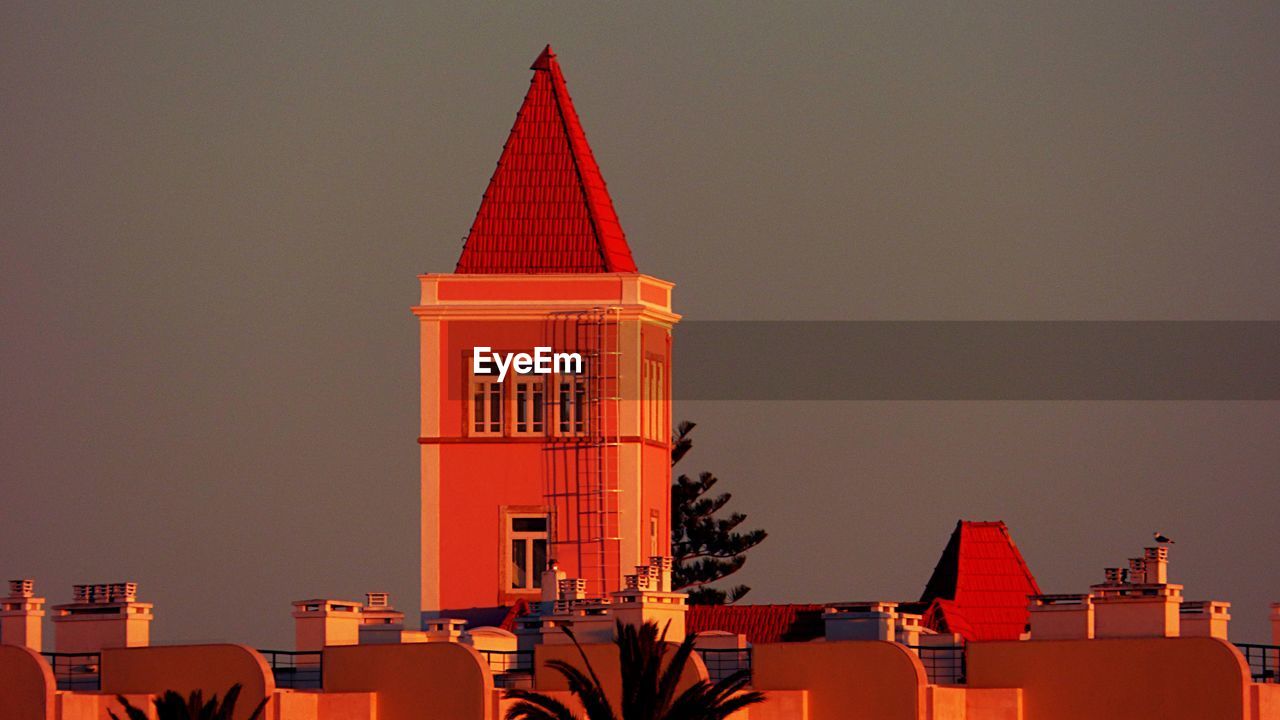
[653,395]
[486,406]
[572,405]
[530,406]
[527,540]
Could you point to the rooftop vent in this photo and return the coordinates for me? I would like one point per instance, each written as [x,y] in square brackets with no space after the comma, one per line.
[106,593]
[22,588]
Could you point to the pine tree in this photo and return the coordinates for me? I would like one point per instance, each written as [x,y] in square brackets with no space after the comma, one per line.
[705,548]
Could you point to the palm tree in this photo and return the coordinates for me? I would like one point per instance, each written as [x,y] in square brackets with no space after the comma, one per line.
[171,706]
[648,689]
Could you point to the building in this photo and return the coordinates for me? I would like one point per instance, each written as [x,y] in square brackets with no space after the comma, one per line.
[570,466]
[545,504]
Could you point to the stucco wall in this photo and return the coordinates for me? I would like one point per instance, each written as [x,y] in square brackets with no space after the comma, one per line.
[26,684]
[1166,678]
[184,668]
[604,658]
[854,680]
[1266,701]
[419,681]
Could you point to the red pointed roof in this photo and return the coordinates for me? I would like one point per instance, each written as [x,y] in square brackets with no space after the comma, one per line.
[546,209]
[981,585]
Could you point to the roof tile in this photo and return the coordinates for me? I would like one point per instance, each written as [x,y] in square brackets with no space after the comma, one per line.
[981,585]
[547,209]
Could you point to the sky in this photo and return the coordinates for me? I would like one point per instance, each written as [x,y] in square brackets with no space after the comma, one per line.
[212,218]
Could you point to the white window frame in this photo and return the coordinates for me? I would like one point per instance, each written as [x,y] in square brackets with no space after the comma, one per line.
[484,397]
[571,416]
[527,540]
[528,399]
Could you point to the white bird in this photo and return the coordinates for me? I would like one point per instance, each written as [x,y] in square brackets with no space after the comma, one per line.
[1162,538]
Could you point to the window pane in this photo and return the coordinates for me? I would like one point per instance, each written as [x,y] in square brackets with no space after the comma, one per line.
[539,561]
[522,412]
[537,407]
[579,406]
[565,407]
[529,524]
[495,407]
[519,564]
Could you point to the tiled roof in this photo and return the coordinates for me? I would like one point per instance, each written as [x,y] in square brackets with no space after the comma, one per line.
[546,209]
[760,623]
[981,585]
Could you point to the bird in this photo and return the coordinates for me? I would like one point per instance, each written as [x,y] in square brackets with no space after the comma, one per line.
[1162,538]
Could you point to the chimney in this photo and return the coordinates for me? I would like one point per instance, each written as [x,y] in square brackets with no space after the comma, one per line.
[551,579]
[1156,562]
[860,621]
[1143,604]
[443,629]
[379,622]
[20,616]
[1275,623]
[1062,617]
[378,611]
[648,597]
[320,622]
[907,628]
[570,591]
[1204,618]
[1137,571]
[102,616]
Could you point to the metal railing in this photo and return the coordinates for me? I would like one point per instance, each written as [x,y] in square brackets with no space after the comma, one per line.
[1263,660]
[76,671]
[943,664]
[296,670]
[723,662]
[511,668]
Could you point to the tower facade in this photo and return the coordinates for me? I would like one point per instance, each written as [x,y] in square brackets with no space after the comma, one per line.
[548,460]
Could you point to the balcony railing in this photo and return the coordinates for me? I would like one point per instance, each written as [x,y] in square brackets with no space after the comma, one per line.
[296,670]
[76,671]
[943,664]
[511,668]
[721,663]
[1263,660]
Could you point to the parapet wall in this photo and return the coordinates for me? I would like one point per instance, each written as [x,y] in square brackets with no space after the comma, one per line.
[1165,678]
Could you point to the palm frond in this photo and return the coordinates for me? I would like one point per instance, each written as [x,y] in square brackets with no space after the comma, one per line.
[666,686]
[536,706]
[130,712]
[587,688]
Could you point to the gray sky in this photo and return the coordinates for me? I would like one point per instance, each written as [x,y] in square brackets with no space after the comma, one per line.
[211,218]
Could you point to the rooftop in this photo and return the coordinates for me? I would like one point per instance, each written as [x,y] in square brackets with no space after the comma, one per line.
[546,209]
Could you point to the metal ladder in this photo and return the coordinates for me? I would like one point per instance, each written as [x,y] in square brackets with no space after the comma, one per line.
[582,480]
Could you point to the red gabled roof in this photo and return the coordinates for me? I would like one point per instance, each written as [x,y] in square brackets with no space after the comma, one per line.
[981,585]
[760,623]
[546,209]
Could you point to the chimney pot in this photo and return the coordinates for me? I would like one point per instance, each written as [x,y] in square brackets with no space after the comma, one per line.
[102,615]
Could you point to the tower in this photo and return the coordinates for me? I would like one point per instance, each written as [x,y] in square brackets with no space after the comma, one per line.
[561,461]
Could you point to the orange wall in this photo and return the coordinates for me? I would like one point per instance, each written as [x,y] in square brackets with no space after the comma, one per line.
[1165,678]
[26,684]
[419,681]
[856,680]
[604,658]
[305,705]
[468,479]
[184,668]
[1265,700]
